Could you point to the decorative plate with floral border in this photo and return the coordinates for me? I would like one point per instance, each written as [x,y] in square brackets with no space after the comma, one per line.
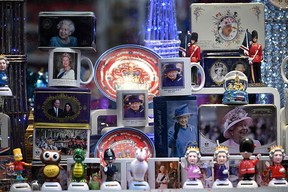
[129,66]
[124,141]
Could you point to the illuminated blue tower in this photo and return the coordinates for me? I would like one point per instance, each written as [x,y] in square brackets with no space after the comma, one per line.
[161,32]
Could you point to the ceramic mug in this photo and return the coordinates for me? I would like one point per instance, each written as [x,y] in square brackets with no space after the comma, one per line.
[175,76]
[66,66]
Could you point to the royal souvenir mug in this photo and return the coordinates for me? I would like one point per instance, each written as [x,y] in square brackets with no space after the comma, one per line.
[67,66]
[176,76]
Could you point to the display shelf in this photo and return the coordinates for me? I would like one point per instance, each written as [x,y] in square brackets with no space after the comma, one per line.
[260,189]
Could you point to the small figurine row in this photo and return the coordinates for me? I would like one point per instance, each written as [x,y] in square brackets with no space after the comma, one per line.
[246,167]
[139,167]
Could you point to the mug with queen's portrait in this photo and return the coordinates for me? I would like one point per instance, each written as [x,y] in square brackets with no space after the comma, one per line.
[67,68]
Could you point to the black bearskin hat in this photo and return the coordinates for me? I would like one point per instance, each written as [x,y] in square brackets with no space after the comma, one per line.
[254,34]
[246,145]
[194,36]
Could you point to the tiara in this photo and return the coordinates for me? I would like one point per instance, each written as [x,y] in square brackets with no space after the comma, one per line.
[276,148]
[221,148]
[193,149]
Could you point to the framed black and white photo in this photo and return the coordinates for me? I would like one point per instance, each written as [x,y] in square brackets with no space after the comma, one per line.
[132,107]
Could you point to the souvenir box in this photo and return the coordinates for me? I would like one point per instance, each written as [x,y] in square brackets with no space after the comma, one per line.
[217,122]
[222,26]
[217,66]
[84,34]
[64,139]
[165,111]
[132,108]
[77,98]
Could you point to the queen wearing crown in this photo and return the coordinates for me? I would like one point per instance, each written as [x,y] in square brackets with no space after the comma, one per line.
[192,156]
[276,154]
[221,157]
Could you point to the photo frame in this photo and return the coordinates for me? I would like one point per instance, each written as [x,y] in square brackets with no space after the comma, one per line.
[62,139]
[166,111]
[83,32]
[217,122]
[132,108]
[216,67]
[47,98]
[175,76]
[171,174]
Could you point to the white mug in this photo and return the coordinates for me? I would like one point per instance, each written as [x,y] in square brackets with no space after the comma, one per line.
[175,76]
[65,68]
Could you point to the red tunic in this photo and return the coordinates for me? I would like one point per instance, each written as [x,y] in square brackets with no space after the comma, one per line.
[18,165]
[247,166]
[275,171]
[253,49]
[194,53]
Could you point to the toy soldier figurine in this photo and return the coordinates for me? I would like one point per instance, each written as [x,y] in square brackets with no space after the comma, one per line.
[247,165]
[194,53]
[194,50]
[255,58]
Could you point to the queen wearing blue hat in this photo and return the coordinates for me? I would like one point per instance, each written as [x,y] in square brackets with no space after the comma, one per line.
[172,76]
[136,109]
[182,135]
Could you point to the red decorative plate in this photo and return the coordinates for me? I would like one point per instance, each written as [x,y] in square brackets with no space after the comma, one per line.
[123,142]
[127,67]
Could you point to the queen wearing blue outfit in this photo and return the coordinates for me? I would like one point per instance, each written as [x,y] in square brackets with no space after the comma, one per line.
[172,76]
[136,109]
[182,135]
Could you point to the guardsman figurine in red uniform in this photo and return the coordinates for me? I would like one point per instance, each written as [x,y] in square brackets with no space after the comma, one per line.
[276,155]
[247,165]
[255,58]
[194,53]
